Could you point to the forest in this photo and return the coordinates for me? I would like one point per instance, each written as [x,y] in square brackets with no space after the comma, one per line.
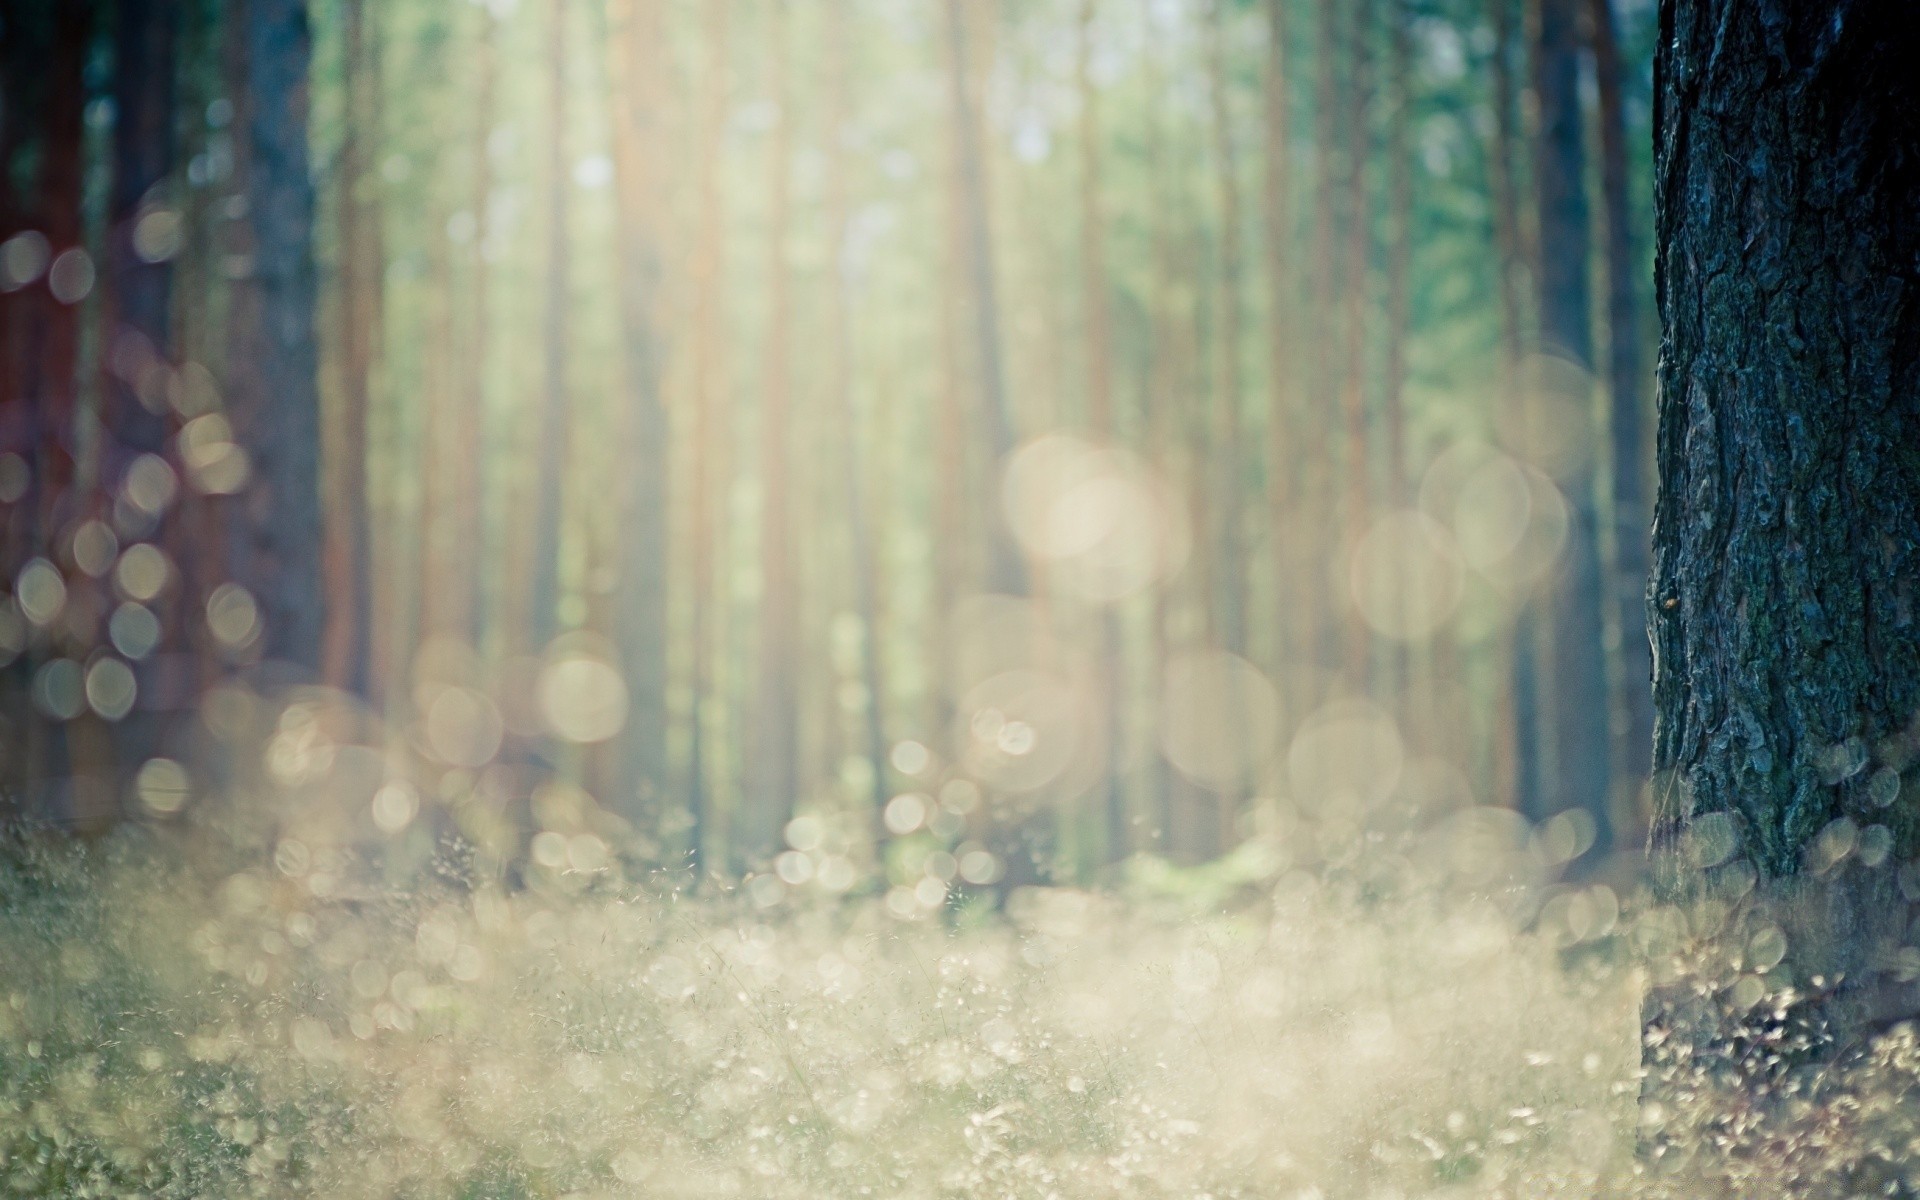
[1302,598]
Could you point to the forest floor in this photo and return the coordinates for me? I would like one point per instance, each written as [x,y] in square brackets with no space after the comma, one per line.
[1434,1017]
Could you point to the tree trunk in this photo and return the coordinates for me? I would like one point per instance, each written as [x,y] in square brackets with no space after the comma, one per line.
[349,552]
[1229,461]
[637,68]
[1353,383]
[709,399]
[1786,555]
[1576,666]
[549,503]
[1632,456]
[273,395]
[467,611]
[776,778]
[1100,424]
[1512,759]
[840,380]
[1006,571]
[1293,624]
[144,35]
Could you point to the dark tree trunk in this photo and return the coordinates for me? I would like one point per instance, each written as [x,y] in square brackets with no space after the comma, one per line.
[349,552]
[1786,542]
[1575,662]
[144,35]
[273,397]
[1632,456]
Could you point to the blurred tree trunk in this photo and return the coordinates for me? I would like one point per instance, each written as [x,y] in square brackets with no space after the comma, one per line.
[139,333]
[636,66]
[272,390]
[1288,437]
[709,400]
[1006,570]
[776,779]
[1512,756]
[1632,457]
[1229,463]
[467,606]
[840,381]
[1576,663]
[1413,660]
[1100,424]
[1357,114]
[54,389]
[140,276]
[349,552]
[549,501]
[1787,169]
[1320,466]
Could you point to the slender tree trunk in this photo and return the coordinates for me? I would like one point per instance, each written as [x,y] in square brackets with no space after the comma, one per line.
[1577,664]
[709,398]
[273,395]
[776,724]
[1007,571]
[140,282]
[1287,424]
[637,67]
[1786,561]
[139,333]
[1632,457]
[349,552]
[1100,425]
[1229,465]
[56,388]
[549,511]
[1513,765]
[1353,391]
[467,611]
[839,318]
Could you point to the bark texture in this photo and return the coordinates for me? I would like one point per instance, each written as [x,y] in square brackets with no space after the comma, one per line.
[1787,529]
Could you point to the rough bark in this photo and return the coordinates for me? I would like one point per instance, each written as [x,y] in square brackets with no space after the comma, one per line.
[1786,546]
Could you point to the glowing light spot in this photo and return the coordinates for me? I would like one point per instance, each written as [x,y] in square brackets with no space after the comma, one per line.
[40,591]
[1106,526]
[59,689]
[463,727]
[1405,576]
[910,758]
[1219,718]
[394,806]
[583,698]
[162,786]
[143,572]
[905,813]
[150,484]
[805,833]
[71,276]
[1345,753]
[232,616]
[134,630]
[22,257]
[111,689]
[157,235]
[95,548]
[15,475]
